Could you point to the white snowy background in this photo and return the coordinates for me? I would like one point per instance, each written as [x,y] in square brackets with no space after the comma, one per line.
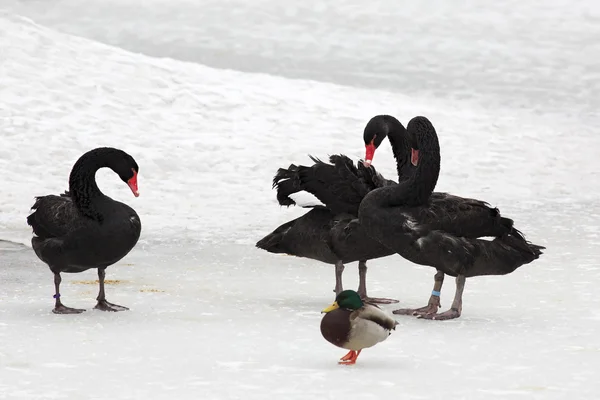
[211,98]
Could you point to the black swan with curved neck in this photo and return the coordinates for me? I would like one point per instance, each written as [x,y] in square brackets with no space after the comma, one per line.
[320,234]
[83,228]
[442,231]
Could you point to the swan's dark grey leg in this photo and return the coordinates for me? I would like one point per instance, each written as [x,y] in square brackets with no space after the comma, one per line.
[339,269]
[102,303]
[362,287]
[456,309]
[434,300]
[59,308]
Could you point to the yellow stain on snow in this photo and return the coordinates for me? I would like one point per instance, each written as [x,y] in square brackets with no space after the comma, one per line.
[96,282]
[150,290]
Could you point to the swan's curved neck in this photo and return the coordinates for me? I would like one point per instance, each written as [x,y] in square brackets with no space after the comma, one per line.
[419,187]
[82,182]
[420,180]
[401,150]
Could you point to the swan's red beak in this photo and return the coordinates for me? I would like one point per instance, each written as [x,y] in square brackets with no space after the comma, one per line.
[132,183]
[370,152]
[414,157]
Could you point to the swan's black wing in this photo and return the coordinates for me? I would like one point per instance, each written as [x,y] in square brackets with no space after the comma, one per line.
[446,232]
[455,255]
[373,178]
[54,216]
[340,186]
[461,216]
[305,236]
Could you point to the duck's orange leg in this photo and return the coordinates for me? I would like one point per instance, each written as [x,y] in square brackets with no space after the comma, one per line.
[350,358]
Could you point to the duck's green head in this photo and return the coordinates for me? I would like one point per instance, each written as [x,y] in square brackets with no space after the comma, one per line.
[348,299]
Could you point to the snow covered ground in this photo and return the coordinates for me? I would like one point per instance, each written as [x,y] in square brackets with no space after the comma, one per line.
[504,53]
[211,316]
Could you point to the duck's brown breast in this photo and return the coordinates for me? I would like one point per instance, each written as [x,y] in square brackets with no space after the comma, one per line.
[335,327]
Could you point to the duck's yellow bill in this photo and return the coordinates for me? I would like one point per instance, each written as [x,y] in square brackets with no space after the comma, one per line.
[332,307]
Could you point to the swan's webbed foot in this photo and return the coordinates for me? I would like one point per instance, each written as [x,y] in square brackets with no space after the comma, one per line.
[450,314]
[431,308]
[104,305]
[456,308]
[377,300]
[61,309]
[362,287]
[428,309]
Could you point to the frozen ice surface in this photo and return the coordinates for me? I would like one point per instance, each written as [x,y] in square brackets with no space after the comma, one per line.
[211,316]
[229,322]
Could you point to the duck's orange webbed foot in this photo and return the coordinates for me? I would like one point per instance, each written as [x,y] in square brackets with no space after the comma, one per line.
[349,358]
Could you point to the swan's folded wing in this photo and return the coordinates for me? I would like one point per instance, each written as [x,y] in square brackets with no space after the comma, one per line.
[54,216]
[460,216]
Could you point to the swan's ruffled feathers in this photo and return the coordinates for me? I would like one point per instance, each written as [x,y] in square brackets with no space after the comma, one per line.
[54,216]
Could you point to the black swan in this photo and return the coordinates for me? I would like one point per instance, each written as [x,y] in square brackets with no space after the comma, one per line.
[83,228]
[442,233]
[320,234]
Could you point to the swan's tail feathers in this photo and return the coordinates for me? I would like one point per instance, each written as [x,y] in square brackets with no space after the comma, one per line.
[507,223]
[504,254]
[274,241]
[516,239]
[297,178]
[509,228]
[31,217]
[287,182]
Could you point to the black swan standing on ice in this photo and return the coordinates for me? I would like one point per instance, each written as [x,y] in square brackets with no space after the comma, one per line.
[320,234]
[440,233]
[83,228]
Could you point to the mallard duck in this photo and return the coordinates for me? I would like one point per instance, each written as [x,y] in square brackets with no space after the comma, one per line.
[351,324]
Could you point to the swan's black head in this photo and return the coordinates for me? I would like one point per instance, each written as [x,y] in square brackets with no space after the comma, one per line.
[420,133]
[121,163]
[127,169]
[376,130]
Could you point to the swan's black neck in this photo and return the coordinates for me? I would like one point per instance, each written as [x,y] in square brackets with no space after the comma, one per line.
[418,188]
[400,147]
[82,181]
[421,179]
